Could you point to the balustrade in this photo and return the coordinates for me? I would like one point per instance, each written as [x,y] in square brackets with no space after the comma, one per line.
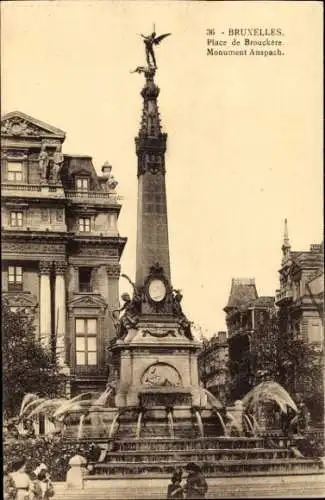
[21,187]
[101,195]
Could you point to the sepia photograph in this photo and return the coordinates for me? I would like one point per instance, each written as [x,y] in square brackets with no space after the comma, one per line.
[162,249]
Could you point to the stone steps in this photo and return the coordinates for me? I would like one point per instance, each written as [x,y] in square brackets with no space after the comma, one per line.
[198,455]
[213,468]
[232,487]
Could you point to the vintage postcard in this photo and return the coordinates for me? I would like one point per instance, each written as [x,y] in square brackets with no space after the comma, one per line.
[162,249]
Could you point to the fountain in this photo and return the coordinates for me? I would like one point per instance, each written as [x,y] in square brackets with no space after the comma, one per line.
[230,451]
[154,355]
[170,422]
[139,425]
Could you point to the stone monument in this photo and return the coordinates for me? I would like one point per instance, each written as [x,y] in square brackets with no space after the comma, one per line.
[154,348]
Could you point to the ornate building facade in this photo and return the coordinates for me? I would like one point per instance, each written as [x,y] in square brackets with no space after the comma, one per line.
[60,246]
[300,302]
[213,365]
[251,323]
[300,298]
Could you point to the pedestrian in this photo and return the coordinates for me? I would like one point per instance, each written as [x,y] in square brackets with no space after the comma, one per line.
[22,480]
[196,485]
[175,489]
[44,487]
[9,487]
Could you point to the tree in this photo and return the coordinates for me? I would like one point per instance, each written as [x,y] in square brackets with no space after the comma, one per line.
[27,365]
[301,372]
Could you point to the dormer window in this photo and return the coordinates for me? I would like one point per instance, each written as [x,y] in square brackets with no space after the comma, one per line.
[15,171]
[82,184]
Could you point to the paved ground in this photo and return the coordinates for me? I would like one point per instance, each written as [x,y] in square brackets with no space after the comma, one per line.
[303,486]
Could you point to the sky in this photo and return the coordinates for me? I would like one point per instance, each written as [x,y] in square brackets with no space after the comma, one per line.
[244,133]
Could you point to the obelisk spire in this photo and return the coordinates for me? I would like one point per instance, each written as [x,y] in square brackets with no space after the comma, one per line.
[152,224]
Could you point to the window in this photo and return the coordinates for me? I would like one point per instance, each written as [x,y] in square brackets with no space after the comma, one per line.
[15,171]
[82,184]
[45,214]
[85,284]
[315,332]
[16,219]
[59,215]
[86,341]
[84,224]
[15,278]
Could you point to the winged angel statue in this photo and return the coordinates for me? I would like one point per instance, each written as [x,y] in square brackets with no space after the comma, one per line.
[149,42]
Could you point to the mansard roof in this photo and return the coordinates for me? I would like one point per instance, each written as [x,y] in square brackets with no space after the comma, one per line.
[243,290]
[19,124]
[74,165]
[307,259]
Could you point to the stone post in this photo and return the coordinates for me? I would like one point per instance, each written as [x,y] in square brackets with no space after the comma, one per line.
[77,472]
[45,302]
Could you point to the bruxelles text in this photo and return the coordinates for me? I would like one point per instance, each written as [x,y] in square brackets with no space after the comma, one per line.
[255,32]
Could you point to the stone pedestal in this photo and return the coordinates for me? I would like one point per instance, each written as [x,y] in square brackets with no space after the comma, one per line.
[76,473]
[158,367]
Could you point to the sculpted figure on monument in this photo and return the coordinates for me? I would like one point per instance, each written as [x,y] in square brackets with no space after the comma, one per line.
[43,161]
[57,164]
[178,311]
[130,309]
[149,42]
[161,375]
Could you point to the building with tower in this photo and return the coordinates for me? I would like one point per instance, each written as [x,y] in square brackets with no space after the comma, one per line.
[60,246]
[300,303]
[300,298]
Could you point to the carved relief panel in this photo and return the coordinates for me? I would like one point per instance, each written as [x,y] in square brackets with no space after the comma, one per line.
[162,375]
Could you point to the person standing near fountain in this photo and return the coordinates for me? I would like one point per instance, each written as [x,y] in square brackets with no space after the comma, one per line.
[9,487]
[24,484]
[175,489]
[44,485]
[196,485]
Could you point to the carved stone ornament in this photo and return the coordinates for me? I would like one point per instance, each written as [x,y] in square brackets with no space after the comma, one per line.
[156,276]
[94,300]
[51,142]
[14,154]
[150,400]
[17,126]
[113,270]
[151,162]
[60,267]
[23,299]
[161,375]
[159,333]
[32,248]
[98,251]
[45,267]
